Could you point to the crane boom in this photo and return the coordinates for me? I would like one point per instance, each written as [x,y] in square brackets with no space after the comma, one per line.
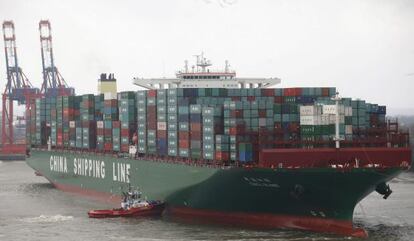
[53,82]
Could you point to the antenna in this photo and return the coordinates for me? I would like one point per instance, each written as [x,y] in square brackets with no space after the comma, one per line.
[197,60]
[202,62]
[226,69]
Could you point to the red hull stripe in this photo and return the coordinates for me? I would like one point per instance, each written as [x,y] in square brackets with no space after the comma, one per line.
[259,220]
[101,196]
[271,221]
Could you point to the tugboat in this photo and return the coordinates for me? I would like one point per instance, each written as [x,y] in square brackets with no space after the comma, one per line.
[132,205]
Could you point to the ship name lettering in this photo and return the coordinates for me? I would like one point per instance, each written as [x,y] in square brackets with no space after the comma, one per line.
[58,164]
[89,168]
[120,172]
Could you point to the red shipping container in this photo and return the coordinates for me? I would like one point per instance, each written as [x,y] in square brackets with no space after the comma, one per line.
[151,118]
[151,108]
[108,146]
[239,129]
[287,92]
[116,124]
[292,92]
[298,91]
[68,112]
[251,98]
[233,131]
[184,144]
[195,135]
[125,132]
[268,92]
[278,99]
[262,113]
[88,104]
[236,98]
[152,125]
[222,156]
[108,132]
[152,93]
[278,125]
[162,134]
[293,127]
[183,135]
[194,126]
[89,124]
[124,148]
[236,113]
[325,92]
[111,103]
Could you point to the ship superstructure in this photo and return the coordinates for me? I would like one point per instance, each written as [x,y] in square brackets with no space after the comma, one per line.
[200,76]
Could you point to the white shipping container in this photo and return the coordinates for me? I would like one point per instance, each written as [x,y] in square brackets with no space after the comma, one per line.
[310,110]
[262,121]
[348,111]
[348,130]
[72,124]
[332,119]
[318,119]
[310,120]
[331,109]
[100,124]
[110,96]
[162,126]
[324,119]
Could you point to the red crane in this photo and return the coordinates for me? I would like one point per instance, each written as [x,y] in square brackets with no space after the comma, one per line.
[18,88]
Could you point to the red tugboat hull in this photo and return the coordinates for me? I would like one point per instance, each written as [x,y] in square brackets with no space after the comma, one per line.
[151,210]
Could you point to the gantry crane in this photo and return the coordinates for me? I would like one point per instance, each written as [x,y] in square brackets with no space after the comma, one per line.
[18,88]
[53,82]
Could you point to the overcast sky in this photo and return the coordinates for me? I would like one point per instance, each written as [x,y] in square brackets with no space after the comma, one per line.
[364,48]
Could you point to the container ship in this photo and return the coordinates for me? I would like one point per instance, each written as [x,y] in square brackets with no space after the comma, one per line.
[222,149]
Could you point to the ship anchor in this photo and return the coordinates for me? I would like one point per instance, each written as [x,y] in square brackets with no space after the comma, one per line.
[383,189]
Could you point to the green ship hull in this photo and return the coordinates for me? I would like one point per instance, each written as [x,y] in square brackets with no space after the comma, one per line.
[317,199]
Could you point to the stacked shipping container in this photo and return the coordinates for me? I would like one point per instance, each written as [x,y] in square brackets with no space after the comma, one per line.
[127,117]
[205,123]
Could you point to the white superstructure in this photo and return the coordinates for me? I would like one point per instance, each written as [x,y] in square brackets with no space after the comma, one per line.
[201,77]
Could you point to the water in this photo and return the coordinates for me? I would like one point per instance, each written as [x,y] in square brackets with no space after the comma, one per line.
[31,209]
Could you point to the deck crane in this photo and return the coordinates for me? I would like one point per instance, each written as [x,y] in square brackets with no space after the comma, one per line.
[53,82]
[18,88]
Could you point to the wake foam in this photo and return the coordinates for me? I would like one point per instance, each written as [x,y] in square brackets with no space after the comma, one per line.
[48,219]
